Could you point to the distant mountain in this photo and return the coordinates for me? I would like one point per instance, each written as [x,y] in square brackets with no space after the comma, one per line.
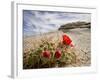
[75,25]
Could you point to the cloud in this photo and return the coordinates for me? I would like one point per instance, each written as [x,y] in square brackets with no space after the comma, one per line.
[35,22]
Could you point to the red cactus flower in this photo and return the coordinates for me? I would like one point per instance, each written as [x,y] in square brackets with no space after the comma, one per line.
[46,54]
[71,45]
[58,54]
[67,40]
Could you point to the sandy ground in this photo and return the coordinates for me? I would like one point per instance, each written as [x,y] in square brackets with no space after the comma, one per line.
[33,42]
[81,39]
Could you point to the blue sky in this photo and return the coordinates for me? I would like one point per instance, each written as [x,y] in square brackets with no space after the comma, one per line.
[36,22]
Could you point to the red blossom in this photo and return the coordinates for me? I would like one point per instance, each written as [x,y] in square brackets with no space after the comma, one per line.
[46,54]
[58,54]
[71,45]
[67,40]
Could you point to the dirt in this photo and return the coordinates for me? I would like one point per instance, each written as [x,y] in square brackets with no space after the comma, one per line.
[81,39]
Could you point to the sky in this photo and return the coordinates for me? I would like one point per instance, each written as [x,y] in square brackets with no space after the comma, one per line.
[37,22]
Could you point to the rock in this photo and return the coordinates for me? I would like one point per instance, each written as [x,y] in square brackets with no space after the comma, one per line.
[75,25]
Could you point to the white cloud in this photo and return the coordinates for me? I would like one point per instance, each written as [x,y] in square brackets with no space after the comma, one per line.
[35,21]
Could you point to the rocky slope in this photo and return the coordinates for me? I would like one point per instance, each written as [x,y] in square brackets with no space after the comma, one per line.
[75,25]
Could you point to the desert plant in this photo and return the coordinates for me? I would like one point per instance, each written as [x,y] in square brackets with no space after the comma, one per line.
[50,54]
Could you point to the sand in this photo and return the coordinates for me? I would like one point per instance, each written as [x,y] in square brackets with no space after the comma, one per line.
[81,38]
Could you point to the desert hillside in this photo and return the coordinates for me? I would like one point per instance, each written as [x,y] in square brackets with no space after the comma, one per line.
[74,25]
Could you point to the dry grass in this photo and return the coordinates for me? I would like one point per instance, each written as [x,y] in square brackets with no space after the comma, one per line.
[33,42]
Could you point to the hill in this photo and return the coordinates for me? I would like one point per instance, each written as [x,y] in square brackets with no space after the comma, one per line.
[75,25]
